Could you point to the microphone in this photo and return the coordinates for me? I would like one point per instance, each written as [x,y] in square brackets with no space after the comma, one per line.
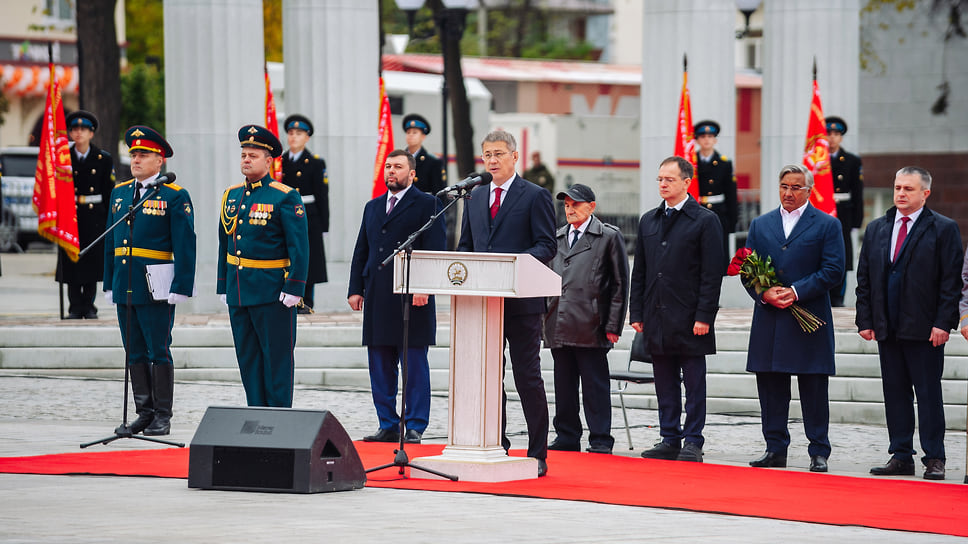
[167,178]
[467,183]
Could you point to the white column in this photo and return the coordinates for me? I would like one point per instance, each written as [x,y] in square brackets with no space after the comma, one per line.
[213,86]
[793,34]
[331,53]
[704,30]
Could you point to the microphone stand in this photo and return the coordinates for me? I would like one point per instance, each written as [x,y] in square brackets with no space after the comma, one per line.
[400,458]
[123,431]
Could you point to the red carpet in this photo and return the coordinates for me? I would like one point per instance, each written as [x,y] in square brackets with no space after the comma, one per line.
[798,496]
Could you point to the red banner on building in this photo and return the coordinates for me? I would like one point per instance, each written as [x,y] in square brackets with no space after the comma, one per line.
[685,138]
[272,124]
[816,157]
[54,180]
[384,143]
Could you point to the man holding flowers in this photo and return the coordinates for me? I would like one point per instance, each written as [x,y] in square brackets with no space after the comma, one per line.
[806,248]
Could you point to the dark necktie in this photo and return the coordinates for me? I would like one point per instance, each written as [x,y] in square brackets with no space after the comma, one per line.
[497,202]
[137,192]
[574,239]
[393,202]
[669,211]
[901,235]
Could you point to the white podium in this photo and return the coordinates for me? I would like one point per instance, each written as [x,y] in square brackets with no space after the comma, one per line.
[478,284]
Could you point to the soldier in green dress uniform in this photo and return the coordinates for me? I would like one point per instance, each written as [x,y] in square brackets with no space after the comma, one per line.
[162,232]
[263,259]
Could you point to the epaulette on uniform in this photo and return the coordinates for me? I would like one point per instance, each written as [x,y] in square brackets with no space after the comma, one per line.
[174,186]
[280,186]
[123,183]
[723,158]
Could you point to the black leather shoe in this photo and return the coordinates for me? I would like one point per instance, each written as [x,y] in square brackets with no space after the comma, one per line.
[690,452]
[90,315]
[74,316]
[542,467]
[558,445]
[593,448]
[895,467]
[303,310]
[933,469]
[662,450]
[818,463]
[383,435]
[770,460]
[412,436]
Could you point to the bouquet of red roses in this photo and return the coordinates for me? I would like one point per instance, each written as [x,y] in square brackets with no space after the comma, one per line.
[759,275]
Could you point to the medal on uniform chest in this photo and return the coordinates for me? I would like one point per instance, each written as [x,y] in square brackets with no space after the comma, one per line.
[260,213]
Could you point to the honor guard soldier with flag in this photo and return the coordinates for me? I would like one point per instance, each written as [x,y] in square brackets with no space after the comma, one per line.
[263,259]
[847,172]
[162,233]
[306,173]
[715,181]
[93,182]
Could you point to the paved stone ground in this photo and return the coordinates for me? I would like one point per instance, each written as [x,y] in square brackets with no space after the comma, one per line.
[54,415]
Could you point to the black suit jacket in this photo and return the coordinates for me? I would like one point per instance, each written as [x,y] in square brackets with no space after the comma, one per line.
[676,279]
[919,290]
[525,223]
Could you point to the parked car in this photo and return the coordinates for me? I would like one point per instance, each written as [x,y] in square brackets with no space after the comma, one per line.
[18,221]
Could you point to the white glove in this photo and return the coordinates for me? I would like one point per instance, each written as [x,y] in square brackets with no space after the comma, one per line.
[289,300]
[223,299]
[175,298]
[109,297]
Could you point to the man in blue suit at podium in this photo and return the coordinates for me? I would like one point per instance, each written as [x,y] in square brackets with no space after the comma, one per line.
[513,215]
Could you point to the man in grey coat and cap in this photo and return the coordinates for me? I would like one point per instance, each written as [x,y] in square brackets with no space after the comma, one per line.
[586,320]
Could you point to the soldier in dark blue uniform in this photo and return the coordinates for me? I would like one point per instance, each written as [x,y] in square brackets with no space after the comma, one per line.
[430,176]
[263,258]
[161,233]
[715,181]
[306,173]
[388,220]
[93,182]
[848,175]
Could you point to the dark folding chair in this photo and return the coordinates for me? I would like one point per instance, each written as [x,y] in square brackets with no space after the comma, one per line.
[624,377]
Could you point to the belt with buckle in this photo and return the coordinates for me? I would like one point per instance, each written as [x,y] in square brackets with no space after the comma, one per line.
[256,263]
[146,253]
[841,197]
[89,199]
[712,199]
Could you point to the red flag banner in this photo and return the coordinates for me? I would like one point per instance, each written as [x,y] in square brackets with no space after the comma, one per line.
[272,123]
[685,138]
[816,157]
[53,180]
[384,143]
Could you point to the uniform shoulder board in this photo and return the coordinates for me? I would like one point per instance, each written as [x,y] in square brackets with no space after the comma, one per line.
[235,186]
[123,183]
[174,186]
[315,155]
[723,158]
[280,186]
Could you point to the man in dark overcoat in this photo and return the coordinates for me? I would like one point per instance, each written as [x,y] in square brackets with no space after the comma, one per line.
[306,172]
[908,287]
[387,221]
[848,176]
[93,182]
[513,215]
[583,324]
[673,301]
[808,255]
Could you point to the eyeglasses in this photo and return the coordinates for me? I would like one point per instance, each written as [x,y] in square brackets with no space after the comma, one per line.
[784,188]
[667,181]
[499,155]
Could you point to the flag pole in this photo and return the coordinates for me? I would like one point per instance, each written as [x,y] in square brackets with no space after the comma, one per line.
[50,67]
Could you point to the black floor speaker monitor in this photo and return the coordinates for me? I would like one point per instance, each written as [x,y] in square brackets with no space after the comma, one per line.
[273,449]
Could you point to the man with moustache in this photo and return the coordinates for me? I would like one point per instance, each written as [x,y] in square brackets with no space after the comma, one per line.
[263,255]
[388,220]
[908,286]
[808,255]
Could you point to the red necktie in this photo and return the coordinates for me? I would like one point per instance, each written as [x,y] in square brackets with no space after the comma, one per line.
[497,202]
[901,235]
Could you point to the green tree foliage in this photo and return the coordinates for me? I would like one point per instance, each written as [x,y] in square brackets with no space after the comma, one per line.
[272,29]
[144,26]
[143,92]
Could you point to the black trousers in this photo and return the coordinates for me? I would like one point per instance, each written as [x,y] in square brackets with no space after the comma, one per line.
[587,367]
[81,297]
[911,368]
[774,393]
[522,334]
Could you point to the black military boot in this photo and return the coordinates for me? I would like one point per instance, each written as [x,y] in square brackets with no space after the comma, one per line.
[162,391]
[140,374]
